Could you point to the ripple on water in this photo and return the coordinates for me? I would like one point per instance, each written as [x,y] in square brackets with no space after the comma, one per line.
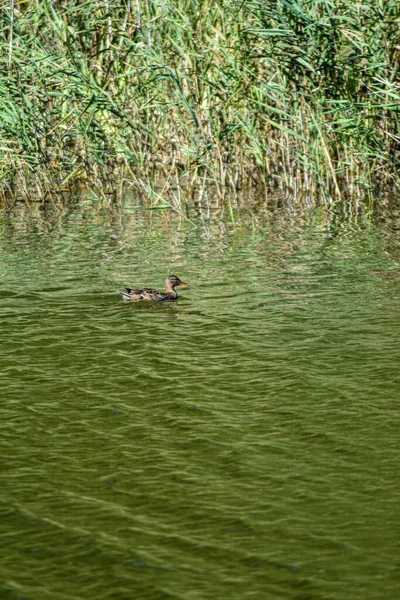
[238,443]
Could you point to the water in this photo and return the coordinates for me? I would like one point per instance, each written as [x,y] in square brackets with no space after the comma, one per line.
[241,443]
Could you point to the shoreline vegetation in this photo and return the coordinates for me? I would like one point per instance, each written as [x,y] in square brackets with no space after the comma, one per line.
[171,97]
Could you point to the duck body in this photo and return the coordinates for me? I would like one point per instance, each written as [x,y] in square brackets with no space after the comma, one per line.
[137,294]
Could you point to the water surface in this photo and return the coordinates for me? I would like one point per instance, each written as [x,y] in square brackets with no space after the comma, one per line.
[241,442]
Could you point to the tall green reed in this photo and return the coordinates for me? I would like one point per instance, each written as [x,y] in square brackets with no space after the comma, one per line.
[177,96]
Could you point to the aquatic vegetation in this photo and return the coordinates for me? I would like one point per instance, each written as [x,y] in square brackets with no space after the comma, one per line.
[171,96]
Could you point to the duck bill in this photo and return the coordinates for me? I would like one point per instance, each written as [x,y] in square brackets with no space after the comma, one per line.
[183,284]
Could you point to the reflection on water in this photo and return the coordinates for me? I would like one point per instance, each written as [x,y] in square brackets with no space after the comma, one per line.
[239,443]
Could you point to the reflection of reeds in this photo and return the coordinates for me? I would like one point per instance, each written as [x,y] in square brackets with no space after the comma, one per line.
[299,94]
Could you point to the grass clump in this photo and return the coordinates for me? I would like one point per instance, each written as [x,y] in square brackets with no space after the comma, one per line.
[302,94]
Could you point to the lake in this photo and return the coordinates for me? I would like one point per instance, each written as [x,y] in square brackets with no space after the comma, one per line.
[239,443]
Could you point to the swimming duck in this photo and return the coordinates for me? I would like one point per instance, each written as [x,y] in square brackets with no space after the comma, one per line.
[151,294]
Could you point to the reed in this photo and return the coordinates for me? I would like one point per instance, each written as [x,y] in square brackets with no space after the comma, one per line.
[175,96]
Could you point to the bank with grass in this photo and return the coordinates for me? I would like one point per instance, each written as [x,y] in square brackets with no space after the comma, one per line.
[174,96]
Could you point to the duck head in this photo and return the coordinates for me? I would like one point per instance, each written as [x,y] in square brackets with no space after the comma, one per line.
[173,281]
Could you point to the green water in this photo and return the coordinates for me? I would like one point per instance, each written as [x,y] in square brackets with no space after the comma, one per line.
[240,443]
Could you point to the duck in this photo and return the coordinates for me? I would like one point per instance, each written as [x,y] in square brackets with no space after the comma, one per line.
[136,294]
